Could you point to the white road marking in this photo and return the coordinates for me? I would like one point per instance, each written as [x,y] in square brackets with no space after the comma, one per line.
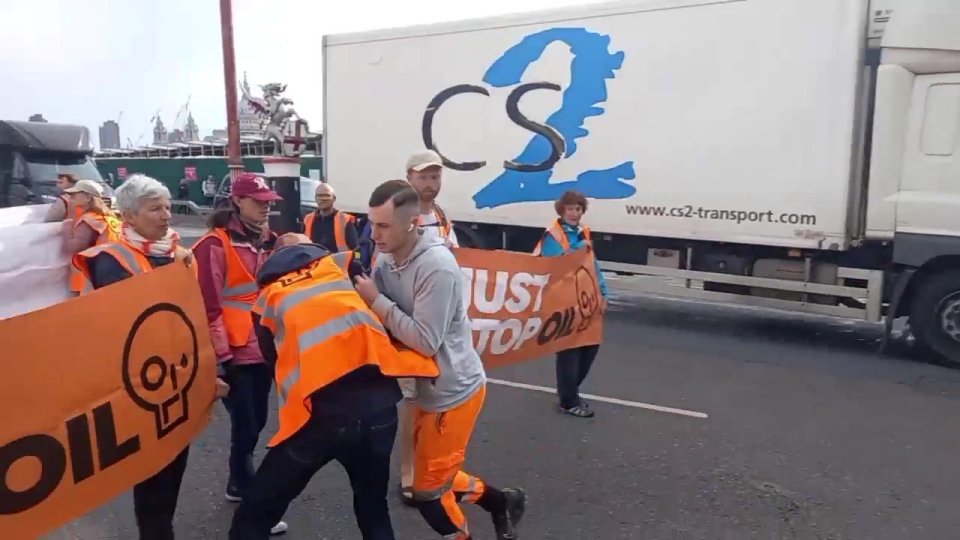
[614,401]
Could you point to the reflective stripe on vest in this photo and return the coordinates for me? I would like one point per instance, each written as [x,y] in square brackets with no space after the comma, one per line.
[131,259]
[341,220]
[340,223]
[560,235]
[324,330]
[239,292]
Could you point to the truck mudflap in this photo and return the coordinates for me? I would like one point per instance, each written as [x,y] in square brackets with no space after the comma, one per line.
[899,289]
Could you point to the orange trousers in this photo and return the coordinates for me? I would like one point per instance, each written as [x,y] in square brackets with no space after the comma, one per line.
[439,447]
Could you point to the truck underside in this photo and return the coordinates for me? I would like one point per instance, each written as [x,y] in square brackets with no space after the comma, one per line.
[870,282]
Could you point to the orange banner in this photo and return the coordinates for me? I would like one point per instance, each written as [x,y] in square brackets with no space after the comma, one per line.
[99,393]
[524,307]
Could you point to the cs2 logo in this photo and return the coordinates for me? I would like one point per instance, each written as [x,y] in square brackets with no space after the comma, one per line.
[529,177]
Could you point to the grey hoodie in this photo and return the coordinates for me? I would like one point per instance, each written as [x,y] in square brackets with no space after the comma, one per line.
[421,304]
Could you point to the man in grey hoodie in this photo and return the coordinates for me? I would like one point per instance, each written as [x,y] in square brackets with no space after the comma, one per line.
[417,293]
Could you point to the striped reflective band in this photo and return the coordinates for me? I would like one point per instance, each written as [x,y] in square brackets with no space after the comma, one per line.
[291,300]
[425,495]
[87,286]
[238,305]
[343,260]
[129,258]
[240,290]
[318,335]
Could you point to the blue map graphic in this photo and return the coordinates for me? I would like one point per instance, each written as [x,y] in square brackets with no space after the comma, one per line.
[592,65]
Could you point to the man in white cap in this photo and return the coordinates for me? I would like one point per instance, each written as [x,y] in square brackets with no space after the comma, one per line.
[425,172]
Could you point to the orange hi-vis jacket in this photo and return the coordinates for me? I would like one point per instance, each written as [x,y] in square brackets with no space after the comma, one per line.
[77,212]
[240,292]
[323,331]
[558,234]
[108,229]
[442,221]
[340,222]
[129,257]
[107,226]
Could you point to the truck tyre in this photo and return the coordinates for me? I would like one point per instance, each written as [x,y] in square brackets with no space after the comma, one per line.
[935,315]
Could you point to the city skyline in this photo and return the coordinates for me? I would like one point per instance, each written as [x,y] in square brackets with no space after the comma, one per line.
[127,60]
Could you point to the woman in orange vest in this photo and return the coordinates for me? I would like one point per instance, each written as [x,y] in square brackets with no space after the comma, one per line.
[329,227]
[564,235]
[94,223]
[228,258]
[146,242]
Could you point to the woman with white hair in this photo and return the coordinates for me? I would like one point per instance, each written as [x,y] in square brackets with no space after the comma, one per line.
[146,242]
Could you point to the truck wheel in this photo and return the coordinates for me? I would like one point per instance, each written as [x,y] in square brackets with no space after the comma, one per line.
[935,315]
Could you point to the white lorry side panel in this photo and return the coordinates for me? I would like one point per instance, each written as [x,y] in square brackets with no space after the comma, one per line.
[729,121]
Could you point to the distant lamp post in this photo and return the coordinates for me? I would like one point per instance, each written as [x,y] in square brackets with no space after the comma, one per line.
[230,84]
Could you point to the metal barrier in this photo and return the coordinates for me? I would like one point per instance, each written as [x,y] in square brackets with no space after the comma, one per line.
[189,207]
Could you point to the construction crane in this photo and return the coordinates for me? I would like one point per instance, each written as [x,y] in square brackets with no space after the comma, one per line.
[179,126]
[183,109]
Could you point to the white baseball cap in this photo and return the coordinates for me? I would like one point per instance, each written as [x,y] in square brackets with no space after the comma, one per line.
[423,160]
[86,186]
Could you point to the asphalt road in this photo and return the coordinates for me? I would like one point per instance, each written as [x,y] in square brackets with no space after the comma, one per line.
[808,434]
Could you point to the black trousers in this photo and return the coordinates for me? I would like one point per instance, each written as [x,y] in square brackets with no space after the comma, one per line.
[155,499]
[248,405]
[363,448]
[573,365]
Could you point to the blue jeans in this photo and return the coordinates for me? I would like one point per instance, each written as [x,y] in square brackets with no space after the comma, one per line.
[248,406]
[363,448]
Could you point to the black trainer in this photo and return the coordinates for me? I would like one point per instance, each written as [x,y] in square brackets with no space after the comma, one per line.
[232,494]
[506,522]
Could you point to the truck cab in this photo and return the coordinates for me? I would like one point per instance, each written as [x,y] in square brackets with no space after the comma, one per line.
[913,191]
[32,154]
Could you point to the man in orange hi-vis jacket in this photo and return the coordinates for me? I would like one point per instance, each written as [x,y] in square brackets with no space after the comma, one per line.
[336,370]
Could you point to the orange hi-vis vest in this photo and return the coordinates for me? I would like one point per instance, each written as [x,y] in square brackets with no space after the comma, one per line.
[107,226]
[129,257]
[323,331]
[239,292]
[558,234]
[442,221]
[77,212]
[341,220]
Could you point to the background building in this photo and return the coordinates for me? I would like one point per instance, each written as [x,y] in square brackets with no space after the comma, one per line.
[110,135]
[38,118]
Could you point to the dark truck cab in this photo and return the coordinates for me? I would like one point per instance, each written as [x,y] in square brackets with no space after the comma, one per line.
[32,154]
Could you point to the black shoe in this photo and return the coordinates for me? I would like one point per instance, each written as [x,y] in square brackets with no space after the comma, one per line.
[406,496]
[507,521]
[232,493]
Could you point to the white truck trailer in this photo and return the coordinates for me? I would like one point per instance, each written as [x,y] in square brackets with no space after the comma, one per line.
[795,154]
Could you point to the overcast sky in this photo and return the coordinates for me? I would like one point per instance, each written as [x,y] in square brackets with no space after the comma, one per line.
[85,61]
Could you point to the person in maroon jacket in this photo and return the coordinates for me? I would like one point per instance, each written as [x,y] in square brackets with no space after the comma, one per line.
[228,258]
